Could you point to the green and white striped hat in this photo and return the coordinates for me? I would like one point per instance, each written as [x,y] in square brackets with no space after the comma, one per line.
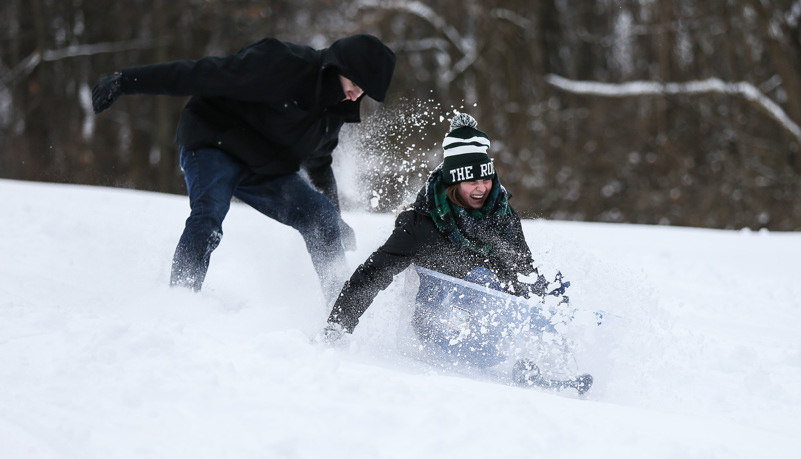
[465,148]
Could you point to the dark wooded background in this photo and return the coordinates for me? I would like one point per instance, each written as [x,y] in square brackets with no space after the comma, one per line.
[722,153]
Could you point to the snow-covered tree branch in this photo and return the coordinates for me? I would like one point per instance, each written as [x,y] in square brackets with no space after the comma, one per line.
[464,45]
[27,65]
[648,88]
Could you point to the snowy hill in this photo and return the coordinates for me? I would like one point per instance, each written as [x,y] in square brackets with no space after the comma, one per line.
[700,357]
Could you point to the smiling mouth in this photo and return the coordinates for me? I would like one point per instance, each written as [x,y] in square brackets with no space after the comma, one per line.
[477,197]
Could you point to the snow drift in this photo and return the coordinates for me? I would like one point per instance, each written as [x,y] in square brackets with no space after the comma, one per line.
[101,359]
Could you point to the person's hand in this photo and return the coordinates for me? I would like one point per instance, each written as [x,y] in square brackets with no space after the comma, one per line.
[348,236]
[538,288]
[105,92]
[332,333]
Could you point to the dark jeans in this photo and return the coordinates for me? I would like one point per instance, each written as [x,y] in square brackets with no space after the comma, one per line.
[213,177]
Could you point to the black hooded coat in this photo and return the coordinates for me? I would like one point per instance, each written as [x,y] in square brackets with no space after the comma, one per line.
[276,106]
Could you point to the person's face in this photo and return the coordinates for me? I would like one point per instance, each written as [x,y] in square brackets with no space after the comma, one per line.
[352,92]
[475,193]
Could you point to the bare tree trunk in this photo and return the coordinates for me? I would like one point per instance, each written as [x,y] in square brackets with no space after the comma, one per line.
[38,151]
[167,151]
[664,45]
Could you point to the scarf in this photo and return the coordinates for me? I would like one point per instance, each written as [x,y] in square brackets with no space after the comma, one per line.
[487,231]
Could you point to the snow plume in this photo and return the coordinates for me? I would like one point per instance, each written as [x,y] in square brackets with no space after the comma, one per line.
[602,290]
[389,154]
[646,88]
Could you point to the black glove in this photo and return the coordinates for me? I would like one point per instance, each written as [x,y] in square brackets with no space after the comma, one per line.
[106,91]
[348,236]
[332,333]
[538,288]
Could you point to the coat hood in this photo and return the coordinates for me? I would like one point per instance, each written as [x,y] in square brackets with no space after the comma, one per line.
[365,60]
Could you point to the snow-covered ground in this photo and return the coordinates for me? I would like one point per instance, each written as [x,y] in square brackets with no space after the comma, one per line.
[699,355]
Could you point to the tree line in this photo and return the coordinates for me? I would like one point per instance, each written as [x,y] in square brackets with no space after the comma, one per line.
[679,112]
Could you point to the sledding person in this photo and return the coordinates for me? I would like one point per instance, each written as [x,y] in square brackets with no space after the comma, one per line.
[461,225]
[255,119]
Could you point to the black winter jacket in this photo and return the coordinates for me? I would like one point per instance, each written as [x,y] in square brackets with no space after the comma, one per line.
[417,240]
[277,106]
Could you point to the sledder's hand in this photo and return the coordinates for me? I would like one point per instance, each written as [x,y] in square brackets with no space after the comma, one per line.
[105,92]
[332,333]
[538,288]
[348,236]
[563,285]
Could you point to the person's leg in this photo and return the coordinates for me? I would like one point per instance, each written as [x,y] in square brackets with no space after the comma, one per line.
[484,277]
[453,319]
[211,177]
[290,200]
[481,314]
[430,319]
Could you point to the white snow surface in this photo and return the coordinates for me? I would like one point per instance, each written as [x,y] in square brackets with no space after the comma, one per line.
[699,355]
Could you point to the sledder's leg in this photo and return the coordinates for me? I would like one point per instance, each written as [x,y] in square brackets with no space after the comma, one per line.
[454,319]
[429,311]
[484,277]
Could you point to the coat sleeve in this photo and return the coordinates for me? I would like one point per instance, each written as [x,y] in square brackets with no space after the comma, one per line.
[522,264]
[260,72]
[321,176]
[524,261]
[377,272]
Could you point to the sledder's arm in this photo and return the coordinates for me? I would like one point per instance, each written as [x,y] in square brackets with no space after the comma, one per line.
[376,273]
[521,262]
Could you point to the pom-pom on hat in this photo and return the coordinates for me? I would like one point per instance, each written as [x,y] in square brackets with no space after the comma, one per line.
[466,157]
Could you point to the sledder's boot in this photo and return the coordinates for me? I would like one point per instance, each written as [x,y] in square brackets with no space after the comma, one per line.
[527,373]
[582,383]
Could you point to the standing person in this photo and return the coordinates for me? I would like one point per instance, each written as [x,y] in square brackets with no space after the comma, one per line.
[461,225]
[255,119]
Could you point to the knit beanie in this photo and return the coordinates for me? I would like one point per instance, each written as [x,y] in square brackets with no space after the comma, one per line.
[466,157]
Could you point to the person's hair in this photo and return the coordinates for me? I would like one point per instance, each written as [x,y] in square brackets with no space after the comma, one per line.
[452,192]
